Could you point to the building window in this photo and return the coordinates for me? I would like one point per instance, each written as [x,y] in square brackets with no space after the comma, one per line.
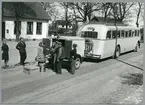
[29,27]
[39,28]
[17,25]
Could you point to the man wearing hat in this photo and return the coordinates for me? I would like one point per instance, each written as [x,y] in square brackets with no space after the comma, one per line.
[73,55]
[58,57]
[21,46]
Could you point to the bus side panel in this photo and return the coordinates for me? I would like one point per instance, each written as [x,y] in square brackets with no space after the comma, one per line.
[105,48]
[127,44]
[124,44]
[109,48]
[98,46]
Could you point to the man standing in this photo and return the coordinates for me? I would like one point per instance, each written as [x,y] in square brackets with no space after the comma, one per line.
[21,46]
[5,53]
[58,58]
[73,55]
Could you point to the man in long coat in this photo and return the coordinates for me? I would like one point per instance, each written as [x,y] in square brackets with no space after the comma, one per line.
[21,46]
[58,54]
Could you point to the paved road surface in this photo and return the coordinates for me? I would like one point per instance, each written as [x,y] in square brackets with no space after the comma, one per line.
[106,81]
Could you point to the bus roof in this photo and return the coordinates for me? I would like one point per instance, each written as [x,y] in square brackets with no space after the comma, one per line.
[101,29]
[111,26]
[71,37]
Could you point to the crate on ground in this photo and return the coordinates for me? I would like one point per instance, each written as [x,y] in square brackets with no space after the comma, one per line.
[29,68]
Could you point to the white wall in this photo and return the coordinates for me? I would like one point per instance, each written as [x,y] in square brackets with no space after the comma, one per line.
[10,26]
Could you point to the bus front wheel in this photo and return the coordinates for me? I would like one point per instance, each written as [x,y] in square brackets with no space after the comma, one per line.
[117,52]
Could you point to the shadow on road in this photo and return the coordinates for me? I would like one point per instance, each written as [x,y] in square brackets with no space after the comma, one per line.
[129,64]
[96,60]
[17,65]
[101,60]
[133,79]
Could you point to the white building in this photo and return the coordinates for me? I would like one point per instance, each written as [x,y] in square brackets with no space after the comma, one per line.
[33,24]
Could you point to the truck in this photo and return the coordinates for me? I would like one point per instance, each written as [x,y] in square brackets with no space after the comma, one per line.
[67,43]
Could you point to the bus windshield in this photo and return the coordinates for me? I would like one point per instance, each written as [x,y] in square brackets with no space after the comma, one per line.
[89,34]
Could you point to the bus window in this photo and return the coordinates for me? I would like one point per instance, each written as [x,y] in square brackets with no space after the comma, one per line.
[135,32]
[122,33]
[126,34]
[138,33]
[130,33]
[89,34]
[94,35]
[118,34]
[108,35]
[113,34]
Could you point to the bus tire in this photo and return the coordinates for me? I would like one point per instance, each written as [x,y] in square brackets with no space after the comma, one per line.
[136,47]
[117,52]
[77,63]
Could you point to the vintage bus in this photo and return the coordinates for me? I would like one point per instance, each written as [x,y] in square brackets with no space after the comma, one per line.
[102,41]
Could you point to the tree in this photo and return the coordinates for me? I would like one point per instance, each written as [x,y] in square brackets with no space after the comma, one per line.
[66,6]
[106,10]
[84,10]
[138,13]
[51,9]
[20,10]
[123,11]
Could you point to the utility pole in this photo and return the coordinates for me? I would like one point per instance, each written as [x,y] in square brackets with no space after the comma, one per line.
[115,24]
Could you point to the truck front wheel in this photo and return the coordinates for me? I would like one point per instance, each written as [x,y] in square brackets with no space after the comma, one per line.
[77,63]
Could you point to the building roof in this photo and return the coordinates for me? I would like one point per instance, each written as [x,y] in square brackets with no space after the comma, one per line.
[31,10]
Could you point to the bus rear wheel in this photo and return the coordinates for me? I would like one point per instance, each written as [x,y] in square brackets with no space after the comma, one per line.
[136,47]
[117,52]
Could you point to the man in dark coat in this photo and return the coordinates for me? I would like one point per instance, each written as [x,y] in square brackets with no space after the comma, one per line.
[73,55]
[21,46]
[58,58]
[5,53]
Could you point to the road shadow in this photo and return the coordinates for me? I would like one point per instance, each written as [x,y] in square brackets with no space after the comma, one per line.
[101,60]
[17,65]
[129,64]
[132,79]
[96,60]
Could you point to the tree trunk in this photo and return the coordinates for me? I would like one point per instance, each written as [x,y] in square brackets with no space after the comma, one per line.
[17,30]
[138,14]
[137,24]
[66,18]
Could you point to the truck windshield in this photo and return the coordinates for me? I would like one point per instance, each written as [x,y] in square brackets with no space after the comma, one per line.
[89,34]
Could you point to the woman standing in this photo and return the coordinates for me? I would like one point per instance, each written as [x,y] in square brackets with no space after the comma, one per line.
[5,53]
[40,55]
